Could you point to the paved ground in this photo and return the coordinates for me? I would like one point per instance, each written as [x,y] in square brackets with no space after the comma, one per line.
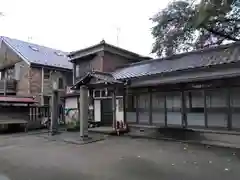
[36,158]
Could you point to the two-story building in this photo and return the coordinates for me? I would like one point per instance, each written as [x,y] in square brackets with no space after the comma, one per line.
[26,69]
[102,57]
[27,72]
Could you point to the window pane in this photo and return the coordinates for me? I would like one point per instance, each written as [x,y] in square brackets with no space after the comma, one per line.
[144,101]
[158,108]
[235,104]
[131,108]
[46,100]
[217,108]
[46,74]
[174,116]
[195,108]
[60,83]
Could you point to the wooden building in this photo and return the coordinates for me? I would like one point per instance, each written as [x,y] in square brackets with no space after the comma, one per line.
[102,57]
[200,89]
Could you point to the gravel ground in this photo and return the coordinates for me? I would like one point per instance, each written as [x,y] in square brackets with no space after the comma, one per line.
[32,157]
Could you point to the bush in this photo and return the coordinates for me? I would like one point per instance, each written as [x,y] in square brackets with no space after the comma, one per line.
[73,125]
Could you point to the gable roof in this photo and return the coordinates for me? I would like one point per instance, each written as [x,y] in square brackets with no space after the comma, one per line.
[37,54]
[101,77]
[224,54]
[103,46]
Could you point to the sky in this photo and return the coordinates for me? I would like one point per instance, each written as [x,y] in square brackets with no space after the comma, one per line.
[70,25]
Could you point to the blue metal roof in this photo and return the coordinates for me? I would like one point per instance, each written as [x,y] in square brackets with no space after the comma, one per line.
[40,55]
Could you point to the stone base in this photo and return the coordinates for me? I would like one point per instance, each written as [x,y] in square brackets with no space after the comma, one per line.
[73,138]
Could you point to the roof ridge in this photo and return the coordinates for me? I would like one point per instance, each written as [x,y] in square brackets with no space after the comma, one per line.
[15,50]
[32,43]
[173,57]
[36,54]
[104,43]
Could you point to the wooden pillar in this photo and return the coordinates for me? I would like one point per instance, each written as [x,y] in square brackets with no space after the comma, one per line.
[84,105]
[124,105]
[205,108]
[30,114]
[91,104]
[42,87]
[150,106]
[114,108]
[190,99]
[229,108]
[35,113]
[54,115]
[4,87]
[74,73]
[165,110]
[183,110]
[137,110]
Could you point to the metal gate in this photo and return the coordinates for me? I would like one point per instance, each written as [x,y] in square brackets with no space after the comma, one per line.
[40,116]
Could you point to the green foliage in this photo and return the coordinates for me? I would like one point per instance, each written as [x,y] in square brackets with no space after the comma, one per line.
[185,25]
[73,125]
[212,8]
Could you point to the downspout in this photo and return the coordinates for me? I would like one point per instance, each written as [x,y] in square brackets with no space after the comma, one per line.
[42,98]
[29,78]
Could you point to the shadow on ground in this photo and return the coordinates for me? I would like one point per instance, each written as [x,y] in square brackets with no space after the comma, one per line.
[179,134]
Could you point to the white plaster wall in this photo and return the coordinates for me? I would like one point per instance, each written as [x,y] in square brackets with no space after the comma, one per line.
[71,102]
[119,113]
[97,110]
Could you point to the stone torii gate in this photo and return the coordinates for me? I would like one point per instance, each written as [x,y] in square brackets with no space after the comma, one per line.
[86,84]
[55,99]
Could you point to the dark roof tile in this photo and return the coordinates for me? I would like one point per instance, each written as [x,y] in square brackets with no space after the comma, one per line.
[207,57]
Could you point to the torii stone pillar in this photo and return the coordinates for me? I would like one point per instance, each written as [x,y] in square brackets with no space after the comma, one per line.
[54,113]
[83,118]
[54,103]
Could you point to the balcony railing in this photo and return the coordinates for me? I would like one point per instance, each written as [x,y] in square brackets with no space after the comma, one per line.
[8,86]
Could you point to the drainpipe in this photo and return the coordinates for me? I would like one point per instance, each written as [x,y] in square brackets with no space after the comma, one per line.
[42,98]
[4,87]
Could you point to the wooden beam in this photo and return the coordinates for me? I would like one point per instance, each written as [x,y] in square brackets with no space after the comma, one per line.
[183,110]
[205,108]
[150,106]
[137,110]
[74,73]
[114,108]
[165,109]
[229,108]
[4,87]
[124,105]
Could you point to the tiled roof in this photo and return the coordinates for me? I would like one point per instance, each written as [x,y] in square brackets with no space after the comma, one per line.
[101,77]
[203,58]
[36,54]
